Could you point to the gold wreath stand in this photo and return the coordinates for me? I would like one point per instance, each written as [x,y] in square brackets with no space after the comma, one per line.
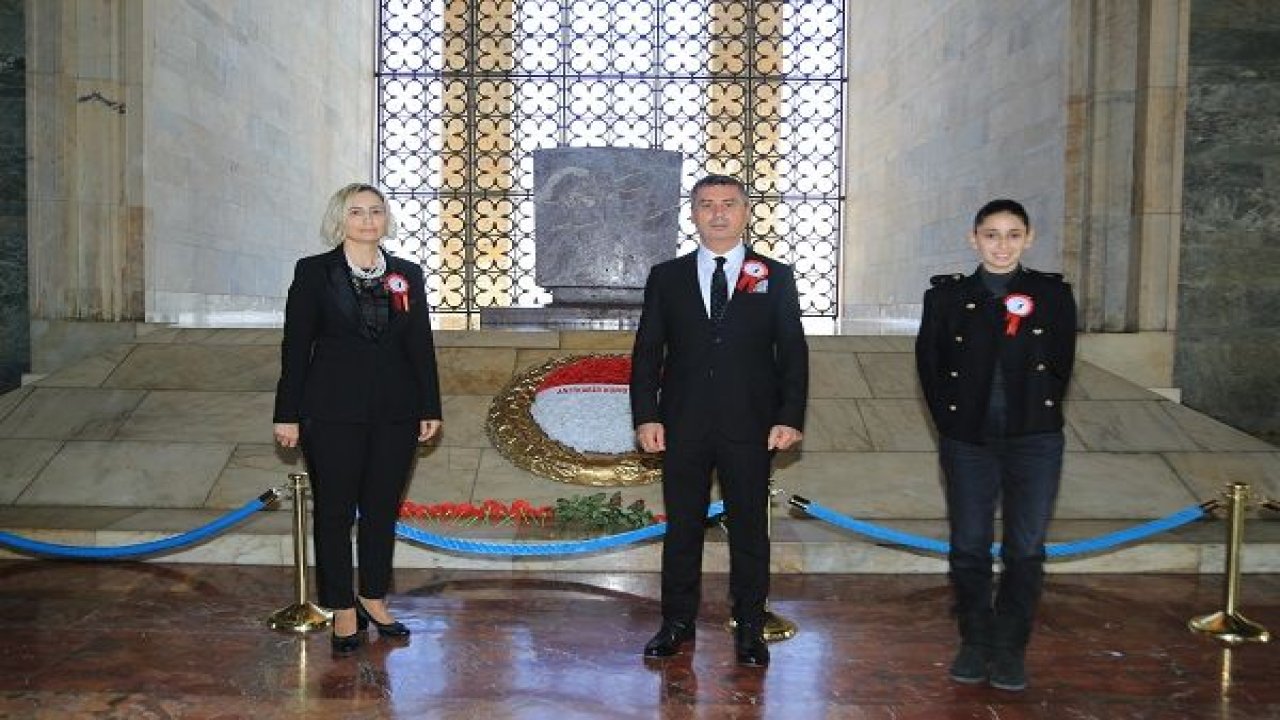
[303,616]
[776,627]
[1228,625]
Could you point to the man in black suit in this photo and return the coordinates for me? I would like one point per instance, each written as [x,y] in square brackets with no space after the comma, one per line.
[719,378]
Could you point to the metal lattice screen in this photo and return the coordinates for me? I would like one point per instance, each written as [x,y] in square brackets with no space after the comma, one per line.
[467,89]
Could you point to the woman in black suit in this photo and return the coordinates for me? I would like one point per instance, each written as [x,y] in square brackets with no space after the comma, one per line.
[358,390]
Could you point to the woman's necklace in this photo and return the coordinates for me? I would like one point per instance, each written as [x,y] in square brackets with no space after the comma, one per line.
[378,270]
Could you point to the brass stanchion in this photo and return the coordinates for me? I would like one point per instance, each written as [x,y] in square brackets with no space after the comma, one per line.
[303,616]
[1228,625]
[776,627]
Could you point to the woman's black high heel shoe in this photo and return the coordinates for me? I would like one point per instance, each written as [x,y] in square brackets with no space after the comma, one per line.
[394,629]
[346,644]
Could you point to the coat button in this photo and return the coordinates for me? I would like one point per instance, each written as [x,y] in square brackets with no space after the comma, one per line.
[959,338]
[955,374]
[1048,403]
[1037,331]
[952,408]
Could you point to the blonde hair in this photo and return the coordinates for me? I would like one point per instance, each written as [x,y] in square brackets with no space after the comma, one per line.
[333,227]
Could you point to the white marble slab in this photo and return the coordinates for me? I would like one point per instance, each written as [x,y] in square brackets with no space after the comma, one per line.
[497,338]
[1209,474]
[836,375]
[251,470]
[20,462]
[475,371]
[129,474]
[1150,557]
[179,415]
[230,549]
[898,425]
[1253,558]
[869,484]
[1126,426]
[464,420]
[1120,485]
[444,474]
[1209,434]
[189,366]
[176,521]
[89,372]
[71,413]
[11,399]
[857,343]
[868,557]
[891,375]
[833,424]
[1090,382]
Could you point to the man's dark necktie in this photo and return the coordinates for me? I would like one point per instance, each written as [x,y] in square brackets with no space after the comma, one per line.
[719,291]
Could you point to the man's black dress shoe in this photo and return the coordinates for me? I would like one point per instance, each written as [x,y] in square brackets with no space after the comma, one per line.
[393,629]
[749,645]
[670,636]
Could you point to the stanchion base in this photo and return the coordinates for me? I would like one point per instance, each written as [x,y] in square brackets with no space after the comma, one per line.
[300,618]
[1233,629]
[776,627]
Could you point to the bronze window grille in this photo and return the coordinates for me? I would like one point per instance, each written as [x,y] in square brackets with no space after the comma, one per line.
[467,89]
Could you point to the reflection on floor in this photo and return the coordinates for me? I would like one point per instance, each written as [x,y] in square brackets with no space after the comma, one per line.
[151,640]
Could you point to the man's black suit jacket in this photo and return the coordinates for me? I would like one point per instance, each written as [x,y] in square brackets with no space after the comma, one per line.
[334,369]
[739,378]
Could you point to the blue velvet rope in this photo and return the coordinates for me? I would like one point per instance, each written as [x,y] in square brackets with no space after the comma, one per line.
[526,549]
[570,547]
[1075,547]
[80,552]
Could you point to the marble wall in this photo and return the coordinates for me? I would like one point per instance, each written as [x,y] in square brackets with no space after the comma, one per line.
[256,113]
[950,104]
[183,151]
[15,339]
[1228,343]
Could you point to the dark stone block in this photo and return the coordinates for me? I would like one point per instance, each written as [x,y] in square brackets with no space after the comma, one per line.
[1262,305]
[1228,345]
[13,186]
[11,375]
[603,216]
[1218,375]
[1237,44]
[1210,307]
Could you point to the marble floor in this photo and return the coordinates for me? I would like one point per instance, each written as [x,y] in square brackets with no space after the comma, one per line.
[161,640]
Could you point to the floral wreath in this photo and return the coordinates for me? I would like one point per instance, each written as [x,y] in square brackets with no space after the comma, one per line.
[556,387]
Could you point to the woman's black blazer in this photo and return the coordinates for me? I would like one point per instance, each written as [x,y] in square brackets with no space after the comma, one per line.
[332,368]
[963,332]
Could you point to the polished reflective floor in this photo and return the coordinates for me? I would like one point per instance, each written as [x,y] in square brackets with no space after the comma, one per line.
[189,641]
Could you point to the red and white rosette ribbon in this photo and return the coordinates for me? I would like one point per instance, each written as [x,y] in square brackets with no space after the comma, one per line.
[753,273]
[398,286]
[1016,307]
